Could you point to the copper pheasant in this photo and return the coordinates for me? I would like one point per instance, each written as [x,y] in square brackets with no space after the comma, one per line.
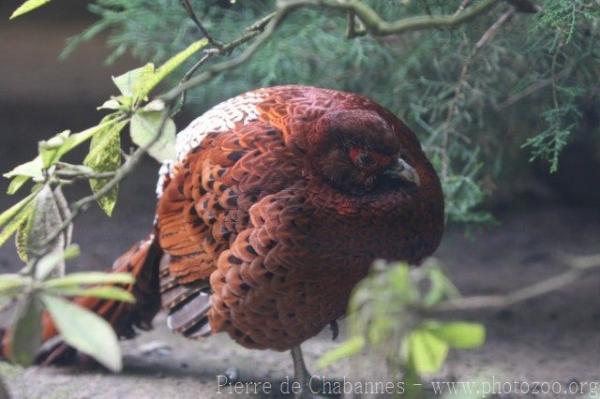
[278,202]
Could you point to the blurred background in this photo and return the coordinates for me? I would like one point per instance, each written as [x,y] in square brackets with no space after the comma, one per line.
[536,216]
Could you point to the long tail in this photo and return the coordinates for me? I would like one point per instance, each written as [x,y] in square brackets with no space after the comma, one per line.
[142,261]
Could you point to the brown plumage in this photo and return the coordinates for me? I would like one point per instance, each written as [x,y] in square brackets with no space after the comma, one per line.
[279,201]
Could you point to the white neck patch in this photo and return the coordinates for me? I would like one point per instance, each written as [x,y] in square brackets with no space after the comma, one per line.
[221,118]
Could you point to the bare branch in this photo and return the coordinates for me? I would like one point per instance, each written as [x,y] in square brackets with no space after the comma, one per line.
[75,175]
[192,14]
[464,4]
[491,32]
[350,25]
[453,108]
[532,89]
[254,31]
[376,26]
[250,33]
[579,266]
[373,24]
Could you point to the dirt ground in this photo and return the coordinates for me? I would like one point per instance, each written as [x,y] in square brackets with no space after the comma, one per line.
[552,340]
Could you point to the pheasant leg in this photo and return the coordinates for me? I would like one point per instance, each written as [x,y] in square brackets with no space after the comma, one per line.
[303,377]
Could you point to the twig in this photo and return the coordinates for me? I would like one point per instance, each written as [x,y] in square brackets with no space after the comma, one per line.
[377,26]
[192,14]
[427,8]
[532,89]
[128,167]
[373,24]
[250,33]
[453,108]
[553,70]
[205,57]
[543,287]
[491,32]
[74,175]
[217,69]
[462,7]
[350,25]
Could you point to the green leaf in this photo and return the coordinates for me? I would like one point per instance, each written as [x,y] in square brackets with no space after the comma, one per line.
[15,216]
[107,122]
[44,220]
[21,238]
[459,334]
[129,82]
[50,150]
[106,292]
[139,82]
[380,328]
[85,331]
[16,184]
[154,105]
[348,348]
[11,284]
[441,287]
[22,173]
[146,85]
[112,104]
[32,168]
[105,156]
[48,263]
[427,352]
[28,6]
[84,278]
[399,278]
[26,333]
[146,125]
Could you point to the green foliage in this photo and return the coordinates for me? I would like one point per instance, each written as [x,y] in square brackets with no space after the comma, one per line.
[79,327]
[468,122]
[105,156]
[390,314]
[42,220]
[143,128]
[27,331]
[85,331]
[548,144]
[13,218]
[428,345]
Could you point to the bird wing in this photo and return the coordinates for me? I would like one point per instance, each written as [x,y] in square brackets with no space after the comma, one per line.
[231,159]
[205,205]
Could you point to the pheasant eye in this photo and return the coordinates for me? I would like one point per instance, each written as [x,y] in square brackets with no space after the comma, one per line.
[366,159]
[361,158]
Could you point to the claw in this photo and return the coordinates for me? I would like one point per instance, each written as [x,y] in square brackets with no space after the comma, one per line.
[335,330]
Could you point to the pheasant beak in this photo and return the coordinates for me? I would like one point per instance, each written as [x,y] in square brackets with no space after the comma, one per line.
[404,172]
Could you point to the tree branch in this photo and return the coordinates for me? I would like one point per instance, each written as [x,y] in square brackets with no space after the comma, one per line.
[578,267]
[192,14]
[373,24]
[458,89]
[377,26]
[532,89]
